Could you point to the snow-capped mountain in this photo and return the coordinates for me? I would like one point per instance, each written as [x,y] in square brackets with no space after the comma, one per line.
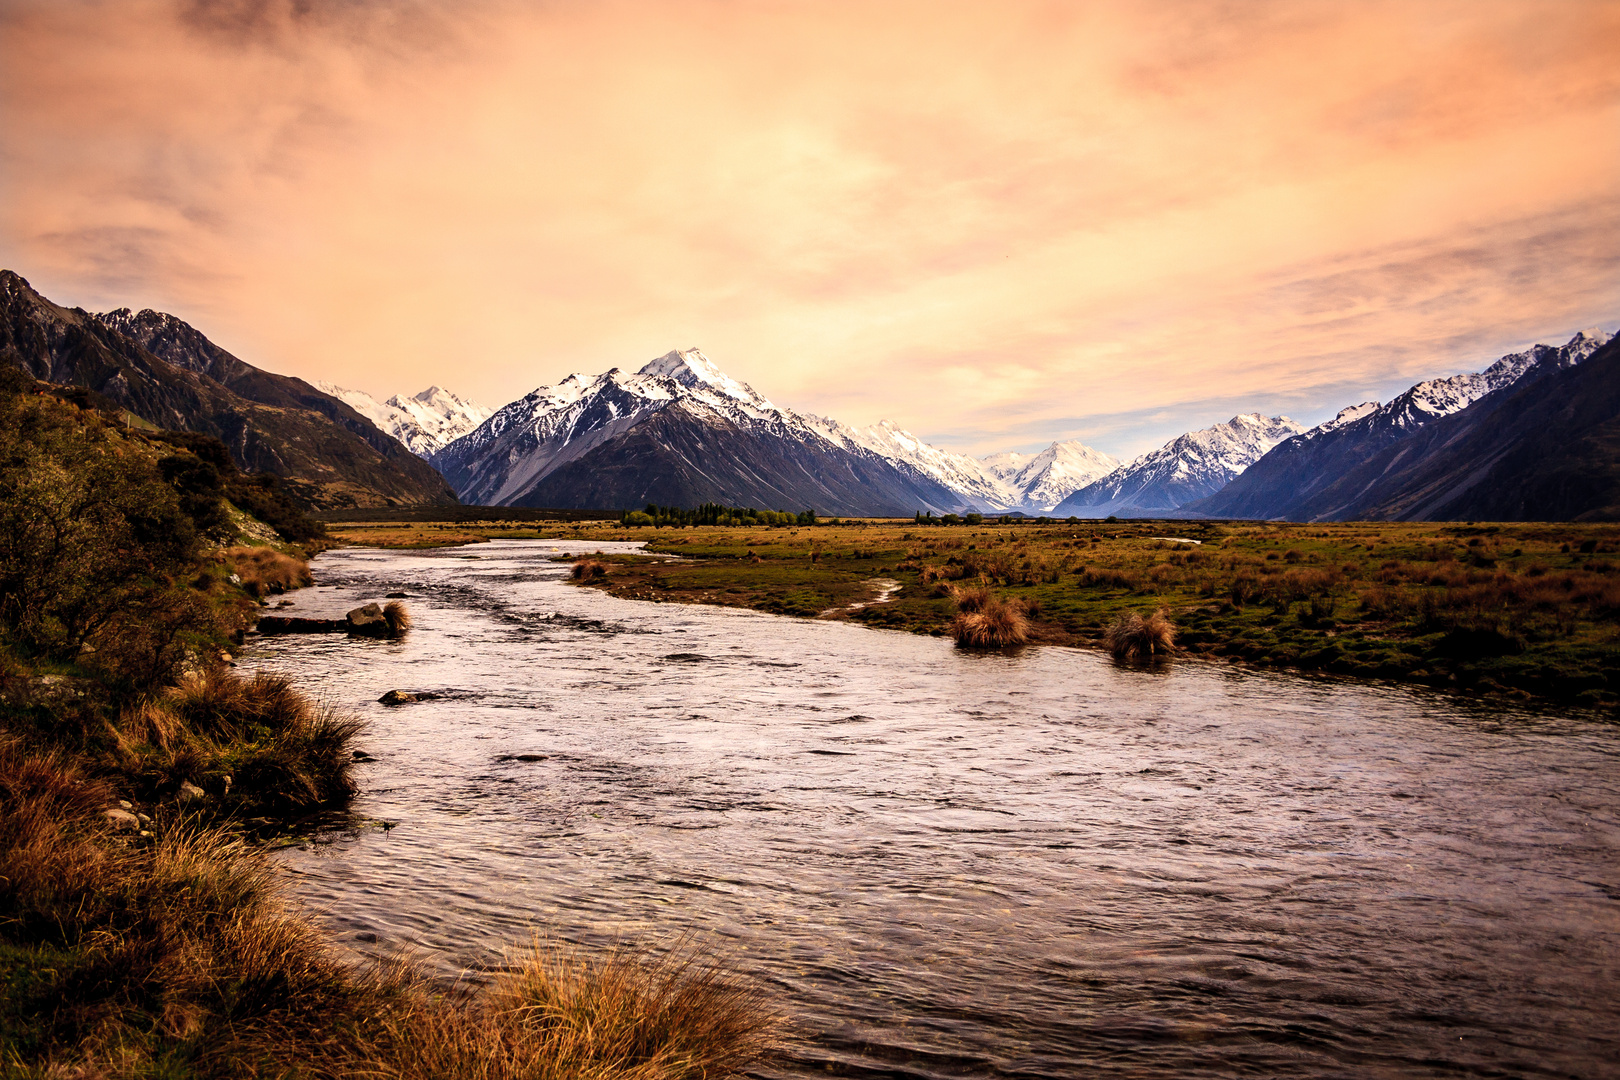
[1041,481]
[1297,479]
[425,422]
[1058,472]
[1188,467]
[682,432]
[1442,397]
[978,487]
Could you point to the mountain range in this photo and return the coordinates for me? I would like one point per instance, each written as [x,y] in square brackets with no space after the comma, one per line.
[1531,436]
[677,432]
[1338,470]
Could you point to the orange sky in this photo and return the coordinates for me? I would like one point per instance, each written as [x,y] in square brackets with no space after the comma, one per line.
[994,223]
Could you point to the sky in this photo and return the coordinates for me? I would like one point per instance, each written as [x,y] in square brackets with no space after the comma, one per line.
[995,224]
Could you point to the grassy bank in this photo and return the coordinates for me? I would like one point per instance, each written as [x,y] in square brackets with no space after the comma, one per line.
[1522,610]
[142,929]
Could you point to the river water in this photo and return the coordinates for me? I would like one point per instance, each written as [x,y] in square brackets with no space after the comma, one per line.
[944,864]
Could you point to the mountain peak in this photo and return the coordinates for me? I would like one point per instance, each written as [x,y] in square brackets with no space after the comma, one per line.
[691,369]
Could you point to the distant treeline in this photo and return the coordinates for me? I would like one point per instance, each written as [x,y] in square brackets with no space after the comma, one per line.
[714,514]
[928,518]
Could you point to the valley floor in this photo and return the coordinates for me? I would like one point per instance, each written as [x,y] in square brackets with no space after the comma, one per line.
[1521,610]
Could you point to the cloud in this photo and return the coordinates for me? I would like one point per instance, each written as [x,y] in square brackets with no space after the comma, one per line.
[995,224]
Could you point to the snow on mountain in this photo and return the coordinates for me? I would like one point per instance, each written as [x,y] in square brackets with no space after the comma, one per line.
[536,447]
[1188,467]
[425,422]
[1434,398]
[1302,478]
[1006,465]
[979,488]
[1059,471]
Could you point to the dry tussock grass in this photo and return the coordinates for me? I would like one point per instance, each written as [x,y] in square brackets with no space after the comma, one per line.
[398,616]
[282,752]
[1132,637]
[264,570]
[180,953]
[589,569]
[993,623]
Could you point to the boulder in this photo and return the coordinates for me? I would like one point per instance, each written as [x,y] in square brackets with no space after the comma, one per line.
[189,791]
[369,620]
[398,697]
[122,820]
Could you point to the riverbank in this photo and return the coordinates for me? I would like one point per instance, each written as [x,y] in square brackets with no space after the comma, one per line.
[143,926]
[1516,610]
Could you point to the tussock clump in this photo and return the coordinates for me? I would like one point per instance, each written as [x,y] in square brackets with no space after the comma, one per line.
[264,571]
[1132,637]
[970,599]
[254,744]
[589,569]
[995,623]
[398,616]
[559,1014]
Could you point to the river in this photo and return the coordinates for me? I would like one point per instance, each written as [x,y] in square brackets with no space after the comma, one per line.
[1036,864]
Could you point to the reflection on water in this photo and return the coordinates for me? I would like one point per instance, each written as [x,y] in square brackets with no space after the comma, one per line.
[950,864]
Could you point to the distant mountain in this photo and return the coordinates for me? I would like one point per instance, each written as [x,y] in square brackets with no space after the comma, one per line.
[1188,467]
[426,423]
[1318,475]
[1041,481]
[678,432]
[1545,447]
[167,373]
[975,487]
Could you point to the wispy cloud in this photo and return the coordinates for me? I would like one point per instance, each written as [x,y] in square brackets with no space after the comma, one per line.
[994,223]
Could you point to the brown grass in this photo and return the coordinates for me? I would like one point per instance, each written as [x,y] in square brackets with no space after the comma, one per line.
[254,744]
[559,1013]
[179,956]
[970,599]
[265,570]
[993,623]
[1132,637]
[589,569]
[398,616]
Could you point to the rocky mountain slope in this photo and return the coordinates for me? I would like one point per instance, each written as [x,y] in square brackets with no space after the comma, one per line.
[1312,476]
[975,486]
[678,432]
[1544,447]
[426,423]
[168,374]
[1188,467]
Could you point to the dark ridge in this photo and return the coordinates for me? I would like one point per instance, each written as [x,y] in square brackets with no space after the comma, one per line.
[169,375]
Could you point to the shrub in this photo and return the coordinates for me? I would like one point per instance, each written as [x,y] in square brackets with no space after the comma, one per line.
[994,623]
[88,527]
[1131,637]
[589,569]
